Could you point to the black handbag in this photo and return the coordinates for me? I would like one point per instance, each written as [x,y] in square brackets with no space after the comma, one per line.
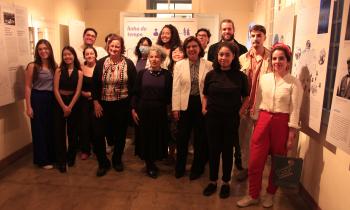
[287,171]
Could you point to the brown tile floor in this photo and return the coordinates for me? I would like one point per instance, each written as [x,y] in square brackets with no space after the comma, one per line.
[24,186]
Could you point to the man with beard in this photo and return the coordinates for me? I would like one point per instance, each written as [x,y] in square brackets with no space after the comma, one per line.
[254,63]
[227,29]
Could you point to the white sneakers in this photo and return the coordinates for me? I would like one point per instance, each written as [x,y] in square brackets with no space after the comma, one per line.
[267,200]
[47,167]
[249,201]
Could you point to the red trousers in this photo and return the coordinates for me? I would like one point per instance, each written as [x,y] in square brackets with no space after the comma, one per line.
[269,137]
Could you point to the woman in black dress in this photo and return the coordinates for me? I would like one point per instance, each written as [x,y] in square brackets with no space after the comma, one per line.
[152,94]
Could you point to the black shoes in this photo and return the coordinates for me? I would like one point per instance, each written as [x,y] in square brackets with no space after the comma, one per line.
[118,166]
[152,169]
[101,171]
[210,189]
[225,191]
[179,174]
[152,173]
[70,163]
[194,176]
[103,168]
[62,168]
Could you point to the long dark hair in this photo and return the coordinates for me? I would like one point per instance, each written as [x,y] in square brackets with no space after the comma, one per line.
[137,50]
[51,58]
[235,65]
[172,62]
[76,62]
[174,38]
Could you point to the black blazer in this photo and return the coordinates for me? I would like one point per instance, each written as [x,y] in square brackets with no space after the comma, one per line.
[97,78]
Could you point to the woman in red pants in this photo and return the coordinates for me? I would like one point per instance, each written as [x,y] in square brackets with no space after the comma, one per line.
[279,98]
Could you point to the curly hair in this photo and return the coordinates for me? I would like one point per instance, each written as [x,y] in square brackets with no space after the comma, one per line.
[174,38]
[235,65]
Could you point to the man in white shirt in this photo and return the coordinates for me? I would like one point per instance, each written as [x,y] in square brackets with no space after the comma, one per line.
[89,38]
[254,63]
[203,35]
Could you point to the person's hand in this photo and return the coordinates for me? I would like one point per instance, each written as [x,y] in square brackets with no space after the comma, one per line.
[66,111]
[242,113]
[135,117]
[176,115]
[204,111]
[30,112]
[291,137]
[98,109]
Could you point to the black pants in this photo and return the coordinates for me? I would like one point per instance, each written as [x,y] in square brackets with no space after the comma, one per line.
[86,124]
[42,103]
[115,114]
[222,130]
[60,126]
[190,119]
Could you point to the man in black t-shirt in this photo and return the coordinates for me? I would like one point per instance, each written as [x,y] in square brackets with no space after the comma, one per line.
[227,29]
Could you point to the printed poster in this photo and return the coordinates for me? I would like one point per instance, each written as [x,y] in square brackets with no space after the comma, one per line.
[310,61]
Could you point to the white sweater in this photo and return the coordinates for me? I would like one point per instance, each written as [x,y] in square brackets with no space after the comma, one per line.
[282,96]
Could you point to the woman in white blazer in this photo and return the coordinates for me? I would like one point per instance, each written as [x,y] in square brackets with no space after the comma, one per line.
[188,83]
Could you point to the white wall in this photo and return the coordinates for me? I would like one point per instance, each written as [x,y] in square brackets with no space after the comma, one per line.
[240,11]
[14,125]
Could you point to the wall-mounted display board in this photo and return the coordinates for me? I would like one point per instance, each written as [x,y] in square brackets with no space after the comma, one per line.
[311,45]
[283,25]
[137,27]
[15,52]
[338,132]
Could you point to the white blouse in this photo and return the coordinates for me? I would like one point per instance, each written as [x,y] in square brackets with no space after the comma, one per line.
[280,96]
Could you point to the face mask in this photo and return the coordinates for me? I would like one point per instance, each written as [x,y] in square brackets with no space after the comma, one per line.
[144,50]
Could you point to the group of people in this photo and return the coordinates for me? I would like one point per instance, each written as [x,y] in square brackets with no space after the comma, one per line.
[223,95]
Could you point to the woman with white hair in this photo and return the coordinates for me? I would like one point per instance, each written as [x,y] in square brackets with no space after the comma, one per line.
[152,94]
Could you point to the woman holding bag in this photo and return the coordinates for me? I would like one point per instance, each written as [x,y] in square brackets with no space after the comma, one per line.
[279,98]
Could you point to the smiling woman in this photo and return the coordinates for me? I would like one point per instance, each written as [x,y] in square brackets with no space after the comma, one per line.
[152,94]
[113,81]
[189,75]
[67,86]
[39,102]
[225,97]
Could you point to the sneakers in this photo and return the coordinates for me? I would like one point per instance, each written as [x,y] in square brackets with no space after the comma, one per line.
[247,201]
[210,189]
[47,167]
[267,200]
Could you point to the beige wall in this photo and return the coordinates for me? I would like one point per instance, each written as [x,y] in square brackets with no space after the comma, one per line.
[326,175]
[240,11]
[14,125]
